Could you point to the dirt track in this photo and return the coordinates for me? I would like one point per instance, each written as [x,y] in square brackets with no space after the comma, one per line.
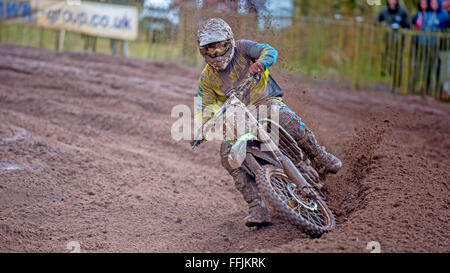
[86,155]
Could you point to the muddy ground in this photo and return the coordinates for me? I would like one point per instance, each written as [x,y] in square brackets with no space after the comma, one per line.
[86,155]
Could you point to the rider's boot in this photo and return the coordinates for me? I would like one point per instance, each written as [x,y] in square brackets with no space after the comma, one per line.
[320,158]
[258,213]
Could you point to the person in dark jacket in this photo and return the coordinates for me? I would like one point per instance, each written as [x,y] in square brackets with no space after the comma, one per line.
[418,20]
[419,52]
[436,20]
[395,17]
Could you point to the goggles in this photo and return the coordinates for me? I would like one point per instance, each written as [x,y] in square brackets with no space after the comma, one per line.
[216,49]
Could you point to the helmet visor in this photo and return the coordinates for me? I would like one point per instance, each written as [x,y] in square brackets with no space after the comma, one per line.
[214,50]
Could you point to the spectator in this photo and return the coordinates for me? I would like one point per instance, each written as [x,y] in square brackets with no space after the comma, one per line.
[418,20]
[436,20]
[418,58]
[446,5]
[394,15]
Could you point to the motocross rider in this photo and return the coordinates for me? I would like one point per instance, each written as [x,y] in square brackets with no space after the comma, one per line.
[227,64]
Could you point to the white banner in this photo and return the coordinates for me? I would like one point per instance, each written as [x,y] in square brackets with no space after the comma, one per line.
[97,19]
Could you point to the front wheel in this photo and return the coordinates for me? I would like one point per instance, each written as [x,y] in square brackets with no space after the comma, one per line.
[302,207]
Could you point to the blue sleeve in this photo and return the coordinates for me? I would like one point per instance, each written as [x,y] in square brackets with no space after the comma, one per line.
[263,53]
[446,23]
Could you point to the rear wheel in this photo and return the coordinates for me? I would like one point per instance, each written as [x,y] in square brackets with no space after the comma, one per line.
[302,207]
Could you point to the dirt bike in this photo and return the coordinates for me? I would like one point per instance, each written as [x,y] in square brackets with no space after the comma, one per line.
[285,176]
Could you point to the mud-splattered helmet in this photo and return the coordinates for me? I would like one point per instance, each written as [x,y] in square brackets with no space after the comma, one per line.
[216,42]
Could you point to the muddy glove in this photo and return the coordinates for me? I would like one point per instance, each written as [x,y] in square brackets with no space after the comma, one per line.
[256,68]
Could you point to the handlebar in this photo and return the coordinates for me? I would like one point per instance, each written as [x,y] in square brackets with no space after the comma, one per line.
[238,92]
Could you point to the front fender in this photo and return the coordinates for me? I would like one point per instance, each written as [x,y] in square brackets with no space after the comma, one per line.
[263,155]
